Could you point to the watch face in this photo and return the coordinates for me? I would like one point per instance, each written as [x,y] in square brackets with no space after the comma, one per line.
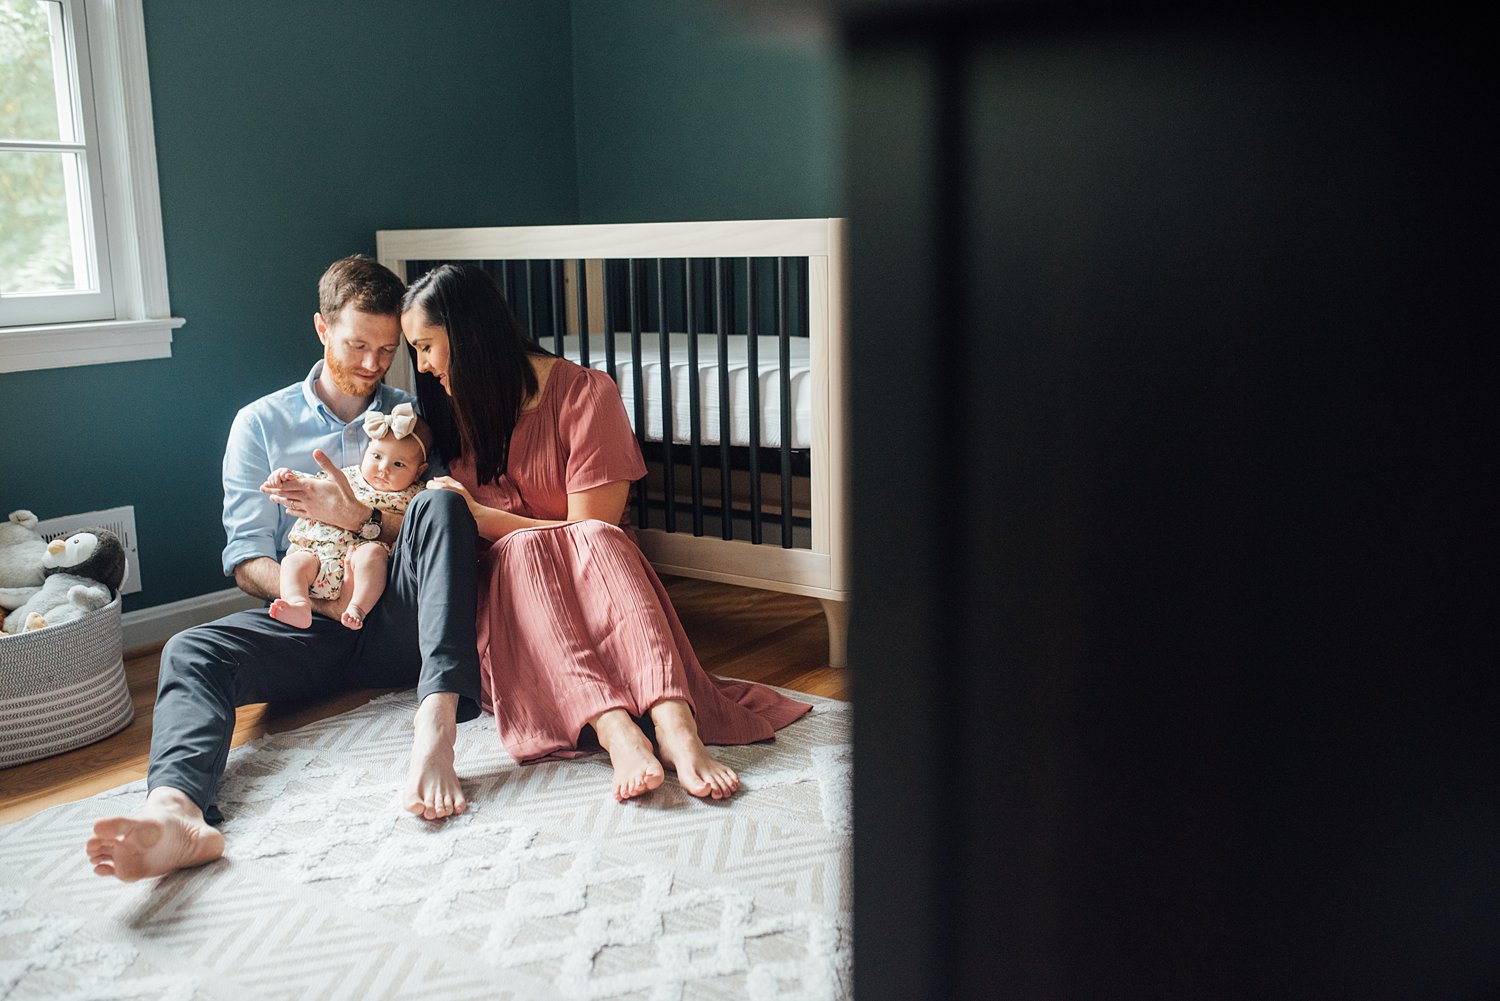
[369,530]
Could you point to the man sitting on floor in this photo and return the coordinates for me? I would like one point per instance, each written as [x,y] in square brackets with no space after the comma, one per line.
[421,632]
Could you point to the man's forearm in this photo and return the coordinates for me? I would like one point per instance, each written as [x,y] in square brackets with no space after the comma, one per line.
[259,577]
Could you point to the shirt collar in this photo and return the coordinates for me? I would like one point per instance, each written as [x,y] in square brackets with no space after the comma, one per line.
[316,404]
[310,390]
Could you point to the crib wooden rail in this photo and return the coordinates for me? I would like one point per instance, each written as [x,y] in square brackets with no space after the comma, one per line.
[820,567]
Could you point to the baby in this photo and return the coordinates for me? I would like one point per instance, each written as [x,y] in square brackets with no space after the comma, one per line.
[316,560]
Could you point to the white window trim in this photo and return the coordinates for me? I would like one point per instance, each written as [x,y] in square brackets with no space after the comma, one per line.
[143,324]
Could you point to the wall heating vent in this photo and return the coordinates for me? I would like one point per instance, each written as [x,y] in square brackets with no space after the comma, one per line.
[120,520]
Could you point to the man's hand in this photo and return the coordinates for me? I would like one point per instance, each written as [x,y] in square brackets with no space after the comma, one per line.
[329,499]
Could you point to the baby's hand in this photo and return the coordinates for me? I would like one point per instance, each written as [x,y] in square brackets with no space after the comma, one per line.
[280,476]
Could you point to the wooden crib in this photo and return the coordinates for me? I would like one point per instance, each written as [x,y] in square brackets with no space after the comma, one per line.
[728,342]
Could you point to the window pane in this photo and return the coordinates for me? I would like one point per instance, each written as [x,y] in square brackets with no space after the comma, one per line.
[43,229]
[32,72]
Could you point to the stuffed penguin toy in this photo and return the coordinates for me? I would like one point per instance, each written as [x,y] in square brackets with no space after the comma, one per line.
[83,573]
[97,554]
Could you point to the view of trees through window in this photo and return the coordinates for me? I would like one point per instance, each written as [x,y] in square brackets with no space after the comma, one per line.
[42,212]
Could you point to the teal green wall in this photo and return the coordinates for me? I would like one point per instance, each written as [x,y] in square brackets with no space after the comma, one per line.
[288,133]
[686,112]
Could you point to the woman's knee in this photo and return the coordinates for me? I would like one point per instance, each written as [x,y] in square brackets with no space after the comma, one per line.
[593,528]
[606,537]
[590,530]
[523,543]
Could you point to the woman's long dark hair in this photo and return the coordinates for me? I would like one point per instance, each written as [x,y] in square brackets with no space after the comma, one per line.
[489,372]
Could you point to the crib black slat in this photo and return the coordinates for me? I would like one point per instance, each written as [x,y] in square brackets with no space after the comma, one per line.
[752,360]
[695,420]
[784,344]
[637,380]
[555,300]
[724,313]
[609,326]
[536,335]
[581,273]
[507,280]
[669,477]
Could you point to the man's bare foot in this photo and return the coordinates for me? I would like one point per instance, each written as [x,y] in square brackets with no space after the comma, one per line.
[353,617]
[698,771]
[636,769]
[169,833]
[432,789]
[297,614]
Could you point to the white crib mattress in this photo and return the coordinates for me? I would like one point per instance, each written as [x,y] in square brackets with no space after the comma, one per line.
[769,377]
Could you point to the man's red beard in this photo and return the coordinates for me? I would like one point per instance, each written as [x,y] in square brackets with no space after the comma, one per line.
[344,378]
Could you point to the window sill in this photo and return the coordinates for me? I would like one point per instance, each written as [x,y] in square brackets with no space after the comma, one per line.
[63,345]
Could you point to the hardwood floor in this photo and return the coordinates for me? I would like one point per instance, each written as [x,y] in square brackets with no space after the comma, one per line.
[777,639]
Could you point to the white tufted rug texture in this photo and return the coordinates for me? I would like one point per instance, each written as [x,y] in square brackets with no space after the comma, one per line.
[546,889]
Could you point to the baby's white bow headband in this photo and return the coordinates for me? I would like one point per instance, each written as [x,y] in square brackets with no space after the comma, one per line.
[401,422]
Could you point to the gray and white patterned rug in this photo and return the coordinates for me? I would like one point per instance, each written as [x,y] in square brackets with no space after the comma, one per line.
[546,889]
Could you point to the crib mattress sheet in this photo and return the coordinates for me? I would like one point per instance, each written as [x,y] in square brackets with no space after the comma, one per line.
[767,375]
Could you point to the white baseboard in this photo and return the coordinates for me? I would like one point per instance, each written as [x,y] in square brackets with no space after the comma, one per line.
[149,626]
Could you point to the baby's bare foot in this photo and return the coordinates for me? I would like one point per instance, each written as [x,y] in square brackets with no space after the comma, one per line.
[297,614]
[699,772]
[353,617]
[169,833]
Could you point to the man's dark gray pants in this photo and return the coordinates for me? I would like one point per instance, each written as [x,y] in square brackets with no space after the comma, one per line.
[420,632]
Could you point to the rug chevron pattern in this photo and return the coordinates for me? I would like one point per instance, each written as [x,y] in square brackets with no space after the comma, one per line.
[546,889]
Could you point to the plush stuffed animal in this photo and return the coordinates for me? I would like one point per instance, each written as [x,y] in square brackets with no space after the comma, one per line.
[96,553]
[22,556]
[62,598]
[82,573]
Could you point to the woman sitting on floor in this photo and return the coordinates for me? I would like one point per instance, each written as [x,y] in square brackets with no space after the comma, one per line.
[575,631]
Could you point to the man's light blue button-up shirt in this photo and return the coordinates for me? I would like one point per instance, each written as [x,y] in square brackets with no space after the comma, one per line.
[282,429]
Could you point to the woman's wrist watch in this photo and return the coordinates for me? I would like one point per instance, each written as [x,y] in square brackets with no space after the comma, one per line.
[371,528]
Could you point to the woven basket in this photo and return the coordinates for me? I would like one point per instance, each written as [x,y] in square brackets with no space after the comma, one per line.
[62,687]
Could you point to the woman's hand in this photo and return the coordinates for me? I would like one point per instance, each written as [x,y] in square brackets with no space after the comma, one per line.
[328,499]
[449,483]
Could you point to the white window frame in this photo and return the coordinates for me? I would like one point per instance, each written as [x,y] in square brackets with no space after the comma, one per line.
[140,324]
[82,177]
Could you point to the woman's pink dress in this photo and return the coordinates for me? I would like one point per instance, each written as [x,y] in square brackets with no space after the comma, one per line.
[572,619]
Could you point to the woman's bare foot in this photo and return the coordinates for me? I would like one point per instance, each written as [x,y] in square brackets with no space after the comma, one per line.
[169,833]
[432,789]
[698,771]
[293,613]
[353,617]
[636,769]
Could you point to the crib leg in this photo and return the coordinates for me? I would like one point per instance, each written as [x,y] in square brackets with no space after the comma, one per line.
[837,614]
